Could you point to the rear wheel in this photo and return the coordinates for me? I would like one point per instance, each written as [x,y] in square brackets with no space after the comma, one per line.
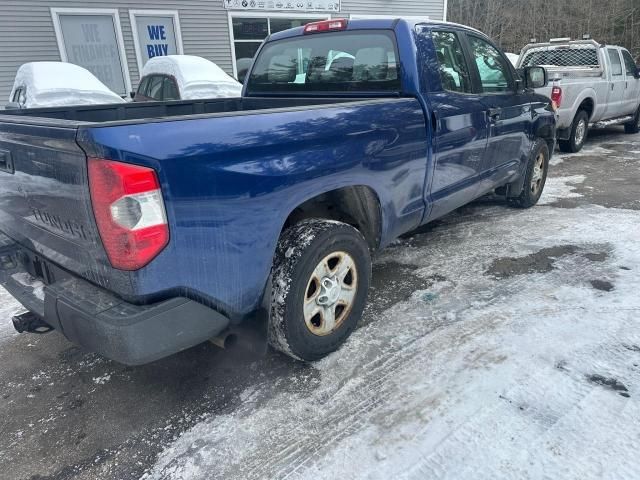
[535,177]
[578,135]
[634,126]
[321,276]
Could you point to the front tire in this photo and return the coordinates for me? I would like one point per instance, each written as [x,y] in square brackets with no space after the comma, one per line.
[535,177]
[321,277]
[579,131]
[634,126]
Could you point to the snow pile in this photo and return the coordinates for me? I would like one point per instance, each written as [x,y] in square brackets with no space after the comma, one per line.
[52,84]
[8,308]
[504,367]
[197,77]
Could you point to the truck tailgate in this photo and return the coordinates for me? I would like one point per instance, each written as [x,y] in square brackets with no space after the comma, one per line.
[45,203]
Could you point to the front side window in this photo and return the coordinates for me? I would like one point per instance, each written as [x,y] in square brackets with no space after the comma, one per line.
[328,62]
[452,65]
[492,67]
[630,65]
[616,65]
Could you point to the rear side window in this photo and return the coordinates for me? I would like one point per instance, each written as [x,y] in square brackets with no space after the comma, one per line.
[454,73]
[616,65]
[328,62]
[630,65]
[492,66]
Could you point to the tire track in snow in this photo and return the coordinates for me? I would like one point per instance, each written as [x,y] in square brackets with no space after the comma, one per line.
[411,385]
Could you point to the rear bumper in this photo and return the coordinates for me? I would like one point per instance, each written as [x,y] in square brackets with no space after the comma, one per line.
[101,322]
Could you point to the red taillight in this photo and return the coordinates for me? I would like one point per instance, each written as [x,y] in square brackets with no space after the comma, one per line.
[129,210]
[326,26]
[556,96]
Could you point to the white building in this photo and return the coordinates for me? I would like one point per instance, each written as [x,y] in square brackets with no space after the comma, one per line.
[114,38]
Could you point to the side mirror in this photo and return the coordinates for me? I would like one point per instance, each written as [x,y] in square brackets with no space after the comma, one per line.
[132,95]
[535,77]
[637,75]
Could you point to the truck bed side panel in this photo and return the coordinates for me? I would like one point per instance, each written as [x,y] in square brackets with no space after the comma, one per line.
[229,183]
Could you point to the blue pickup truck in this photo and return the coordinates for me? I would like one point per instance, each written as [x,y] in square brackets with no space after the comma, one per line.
[139,230]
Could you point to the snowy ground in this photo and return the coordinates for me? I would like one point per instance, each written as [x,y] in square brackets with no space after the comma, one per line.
[498,344]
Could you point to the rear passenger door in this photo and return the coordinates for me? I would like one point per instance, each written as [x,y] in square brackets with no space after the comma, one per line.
[459,124]
[632,90]
[508,113]
[617,86]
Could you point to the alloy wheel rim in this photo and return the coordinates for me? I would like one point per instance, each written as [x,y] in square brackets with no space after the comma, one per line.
[330,293]
[538,174]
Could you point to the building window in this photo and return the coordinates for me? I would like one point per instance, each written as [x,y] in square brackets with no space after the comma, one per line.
[155,33]
[249,31]
[92,38]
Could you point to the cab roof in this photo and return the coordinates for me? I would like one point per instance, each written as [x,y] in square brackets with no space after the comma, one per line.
[374,24]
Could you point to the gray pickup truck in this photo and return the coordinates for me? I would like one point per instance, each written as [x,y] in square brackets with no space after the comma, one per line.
[592,85]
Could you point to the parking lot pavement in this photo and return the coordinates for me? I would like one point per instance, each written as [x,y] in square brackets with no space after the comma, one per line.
[497,343]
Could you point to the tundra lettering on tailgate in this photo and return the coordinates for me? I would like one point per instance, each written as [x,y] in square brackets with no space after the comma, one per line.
[67,226]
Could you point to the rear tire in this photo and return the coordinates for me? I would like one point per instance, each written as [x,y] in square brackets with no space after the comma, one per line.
[578,135]
[634,126]
[535,177]
[321,276]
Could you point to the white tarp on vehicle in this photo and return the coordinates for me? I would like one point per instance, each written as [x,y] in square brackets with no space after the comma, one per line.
[53,84]
[197,77]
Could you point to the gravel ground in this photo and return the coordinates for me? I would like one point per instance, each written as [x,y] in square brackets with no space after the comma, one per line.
[497,343]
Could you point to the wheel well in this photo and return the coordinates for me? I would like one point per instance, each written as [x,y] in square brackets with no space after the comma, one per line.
[358,206]
[587,106]
[546,133]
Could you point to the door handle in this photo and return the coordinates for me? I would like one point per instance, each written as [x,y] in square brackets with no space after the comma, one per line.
[494,113]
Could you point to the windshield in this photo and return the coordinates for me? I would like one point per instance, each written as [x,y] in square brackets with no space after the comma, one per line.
[358,61]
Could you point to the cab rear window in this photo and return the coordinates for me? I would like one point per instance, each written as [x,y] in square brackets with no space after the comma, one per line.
[362,60]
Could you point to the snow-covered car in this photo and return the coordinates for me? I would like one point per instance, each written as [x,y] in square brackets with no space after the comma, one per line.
[184,77]
[55,84]
[513,58]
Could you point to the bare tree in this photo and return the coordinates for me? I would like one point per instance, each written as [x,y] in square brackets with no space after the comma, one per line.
[512,23]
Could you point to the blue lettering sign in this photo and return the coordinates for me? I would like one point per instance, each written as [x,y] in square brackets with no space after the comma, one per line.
[157,50]
[155,32]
